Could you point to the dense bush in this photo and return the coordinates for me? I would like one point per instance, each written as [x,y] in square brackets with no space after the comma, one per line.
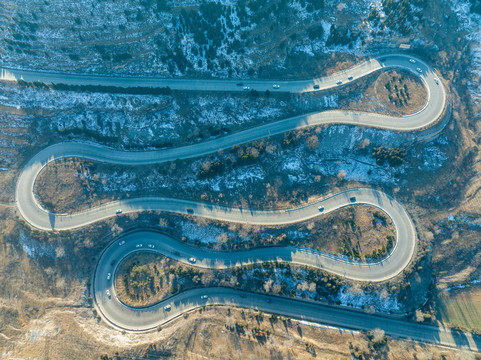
[211,168]
[394,156]
[341,36]
[401,15]
[476,6]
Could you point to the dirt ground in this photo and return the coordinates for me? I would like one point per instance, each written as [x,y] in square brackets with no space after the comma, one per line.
[45,276]
[210,333]
[400,91]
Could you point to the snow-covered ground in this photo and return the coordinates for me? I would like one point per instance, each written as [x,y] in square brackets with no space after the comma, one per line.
[204,234]
[36,249]
[139,121]
[140,37]
[358,298]
[471,24]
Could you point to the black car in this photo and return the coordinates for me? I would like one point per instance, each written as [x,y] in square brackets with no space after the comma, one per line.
[316,86]
[112,263]
[190,211]
[240,84]
[353,199]
[268,301]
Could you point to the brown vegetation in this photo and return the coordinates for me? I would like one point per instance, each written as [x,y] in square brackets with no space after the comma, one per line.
[400,91]
[144,279]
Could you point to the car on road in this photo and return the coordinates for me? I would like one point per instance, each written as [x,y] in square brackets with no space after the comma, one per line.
[436,80]
[321,208]
[151,246]
[350,78]
[276,86]
[247,88]
[167,307]
[192,260]
[118,211]
[204,297]
[138,245]
[190,211]
[268,301]
[108,293]
[316,86]
[339,82]
[113,262]
[419,70]
[121,242]
[240,84]
[108,276]
[352,199]
[413,61]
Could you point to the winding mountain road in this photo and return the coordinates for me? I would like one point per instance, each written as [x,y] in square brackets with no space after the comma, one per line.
[125,317]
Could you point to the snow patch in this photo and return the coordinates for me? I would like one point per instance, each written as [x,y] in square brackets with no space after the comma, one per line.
[361,299]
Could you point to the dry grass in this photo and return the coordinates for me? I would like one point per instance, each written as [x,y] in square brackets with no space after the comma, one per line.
[69,190]
[460,308]
[409,89]
[363,228]
[352,231]
[213,333]
[152,265]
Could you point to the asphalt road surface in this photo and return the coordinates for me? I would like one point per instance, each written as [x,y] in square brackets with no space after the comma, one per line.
[125,317]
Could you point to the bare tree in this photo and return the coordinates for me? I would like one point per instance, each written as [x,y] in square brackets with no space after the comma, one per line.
[268,285]
[312,142]
[207,278]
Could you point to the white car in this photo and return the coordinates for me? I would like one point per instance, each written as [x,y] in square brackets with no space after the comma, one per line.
[138,245]
[419,70]
[204,297]
[192,260]
[118,211]
[413,61]
[436,80]
[247,88]
[276,86]
[121,242]
[151,246]
[167,307]
[108,277]
[108,293]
